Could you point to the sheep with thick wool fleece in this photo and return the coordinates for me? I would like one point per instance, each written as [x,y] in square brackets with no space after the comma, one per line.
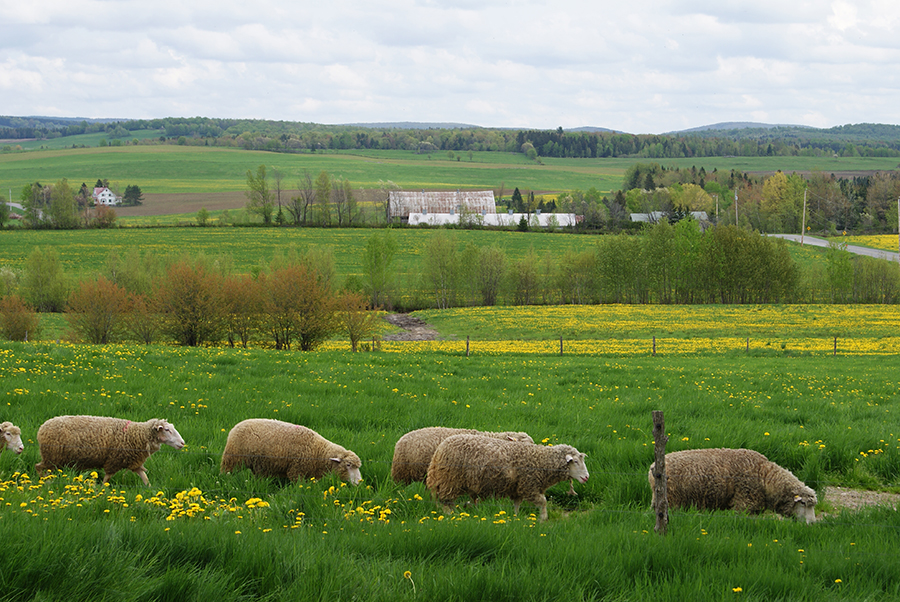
[282,449]
[113,444]
[483,467]
[734,479]
[11,435]
[413,451]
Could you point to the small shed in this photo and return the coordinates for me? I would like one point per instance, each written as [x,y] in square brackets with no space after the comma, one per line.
[403,203]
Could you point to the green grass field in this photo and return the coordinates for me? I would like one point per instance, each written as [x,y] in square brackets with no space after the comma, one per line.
[195,534]
[165,170]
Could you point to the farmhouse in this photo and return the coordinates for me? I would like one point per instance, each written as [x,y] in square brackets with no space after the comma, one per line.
[104,196]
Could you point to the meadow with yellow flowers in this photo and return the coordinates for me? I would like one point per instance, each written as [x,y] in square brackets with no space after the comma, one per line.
[196,534]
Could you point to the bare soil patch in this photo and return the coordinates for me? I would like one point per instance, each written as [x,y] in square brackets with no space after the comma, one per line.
[414,329]
[854,499]
[168,204]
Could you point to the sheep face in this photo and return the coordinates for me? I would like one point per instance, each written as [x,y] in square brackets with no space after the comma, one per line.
[166,433]
[804,507]
[12,437]
[576,467]
[348,468]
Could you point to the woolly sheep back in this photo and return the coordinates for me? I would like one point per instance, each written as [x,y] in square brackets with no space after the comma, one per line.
[102,442]
[413,451]
[484,467]
[734,479]
[282,449]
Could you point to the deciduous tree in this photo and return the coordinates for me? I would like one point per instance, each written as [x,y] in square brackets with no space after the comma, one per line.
[259,197]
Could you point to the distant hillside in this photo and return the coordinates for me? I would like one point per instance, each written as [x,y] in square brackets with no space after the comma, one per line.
[746,139]
[734,125]
[413,125]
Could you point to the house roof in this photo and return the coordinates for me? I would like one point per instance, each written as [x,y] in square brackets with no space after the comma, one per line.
[402,202]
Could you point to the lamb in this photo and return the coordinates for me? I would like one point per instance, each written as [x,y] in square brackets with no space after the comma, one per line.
[482,466]
[12,435]
[112,444]
[739,479]
[413,451]
[281,449]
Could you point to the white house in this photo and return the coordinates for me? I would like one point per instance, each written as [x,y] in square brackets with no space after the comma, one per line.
[104,196]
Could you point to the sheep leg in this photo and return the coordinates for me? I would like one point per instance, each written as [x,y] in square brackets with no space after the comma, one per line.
[540,500]
[572,487]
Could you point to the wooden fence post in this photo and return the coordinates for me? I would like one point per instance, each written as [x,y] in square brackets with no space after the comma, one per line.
[834,354]
[654,345]
[661,509]
[748,345]
[467,345]
[560,346]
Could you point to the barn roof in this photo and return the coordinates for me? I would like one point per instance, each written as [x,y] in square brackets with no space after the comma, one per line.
[474,201]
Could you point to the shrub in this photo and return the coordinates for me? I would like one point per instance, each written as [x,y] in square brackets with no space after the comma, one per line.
[356,319]
[44,284]
[97,310]
[18,321]
[190,303]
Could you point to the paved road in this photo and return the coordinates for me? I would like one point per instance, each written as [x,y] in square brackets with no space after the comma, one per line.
[821,242]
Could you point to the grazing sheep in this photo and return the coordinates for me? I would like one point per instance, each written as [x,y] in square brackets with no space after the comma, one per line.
[112,444]
[482,466]
[413,451]
[281,449]
[738,479]
[12,435]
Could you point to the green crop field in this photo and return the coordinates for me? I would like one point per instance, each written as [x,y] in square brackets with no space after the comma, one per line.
[195,534]
[186,170]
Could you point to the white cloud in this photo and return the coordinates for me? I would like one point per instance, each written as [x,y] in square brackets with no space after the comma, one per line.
[642,66]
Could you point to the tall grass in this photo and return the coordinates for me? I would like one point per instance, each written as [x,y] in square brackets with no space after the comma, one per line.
[196,534]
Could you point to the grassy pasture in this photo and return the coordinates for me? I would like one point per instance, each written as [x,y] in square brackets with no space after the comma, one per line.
[185,169]
[209,177]
[195,533]
[84,252]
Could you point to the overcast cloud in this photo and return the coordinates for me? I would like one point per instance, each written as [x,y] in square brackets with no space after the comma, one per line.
[639,66]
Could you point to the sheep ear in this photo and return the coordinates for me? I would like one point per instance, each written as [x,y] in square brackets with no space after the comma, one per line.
[797,498]
[569,458]
[338,460]
[510,438]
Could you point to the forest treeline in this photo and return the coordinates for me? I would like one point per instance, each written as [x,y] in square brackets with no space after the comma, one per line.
[871,140]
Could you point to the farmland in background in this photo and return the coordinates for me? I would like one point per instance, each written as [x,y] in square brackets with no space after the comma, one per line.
[184,179]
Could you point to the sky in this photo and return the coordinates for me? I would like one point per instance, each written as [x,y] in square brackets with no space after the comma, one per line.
[637,66]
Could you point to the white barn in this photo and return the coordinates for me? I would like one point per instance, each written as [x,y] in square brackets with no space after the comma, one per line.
[477,202]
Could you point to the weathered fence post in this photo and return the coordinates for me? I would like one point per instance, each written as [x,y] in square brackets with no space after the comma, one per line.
[834,354]
[748,345]
[654,345]
[661,509]
[560,346]
[467,345]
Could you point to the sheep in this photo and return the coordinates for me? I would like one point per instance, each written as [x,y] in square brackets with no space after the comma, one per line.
[413,451]
[12,435]
[281,449]
[482,466]
[738,479]
[112,444]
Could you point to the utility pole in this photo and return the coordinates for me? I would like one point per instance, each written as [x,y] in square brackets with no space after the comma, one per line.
[803,227]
